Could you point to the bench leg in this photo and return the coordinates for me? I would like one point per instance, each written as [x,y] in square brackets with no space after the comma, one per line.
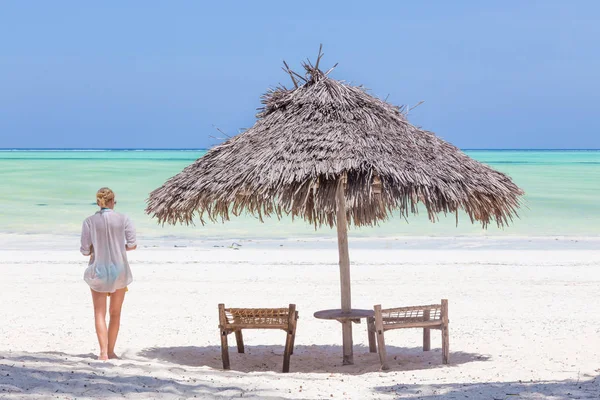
[224,350]
[239,340]
[288,352]
[381,349]
[445,333]
[291,337]
[380,339]
[426,339]
[426,332]
[293,340]
[445,344]
[371,333]
[224,332]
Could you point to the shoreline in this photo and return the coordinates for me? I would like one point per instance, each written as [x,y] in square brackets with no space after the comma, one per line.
[15,241]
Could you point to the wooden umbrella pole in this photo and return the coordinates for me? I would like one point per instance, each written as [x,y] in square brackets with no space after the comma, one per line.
[342,231]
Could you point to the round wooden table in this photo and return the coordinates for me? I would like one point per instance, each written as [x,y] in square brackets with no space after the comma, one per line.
[352,315]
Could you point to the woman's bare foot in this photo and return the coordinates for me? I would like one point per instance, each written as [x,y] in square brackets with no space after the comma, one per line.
[103,357]
[113,356]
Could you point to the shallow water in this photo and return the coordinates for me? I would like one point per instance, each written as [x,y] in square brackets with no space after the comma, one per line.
[53,191]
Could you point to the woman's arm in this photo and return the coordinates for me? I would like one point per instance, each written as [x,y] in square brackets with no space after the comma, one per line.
[130,237]
[86,239]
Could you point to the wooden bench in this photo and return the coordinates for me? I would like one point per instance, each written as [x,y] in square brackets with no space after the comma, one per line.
[236,319]
[428,317]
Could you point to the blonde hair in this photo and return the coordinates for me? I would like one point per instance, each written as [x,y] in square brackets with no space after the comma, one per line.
[104,196]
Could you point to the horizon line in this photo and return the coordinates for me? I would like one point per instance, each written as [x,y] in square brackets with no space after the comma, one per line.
[206,149]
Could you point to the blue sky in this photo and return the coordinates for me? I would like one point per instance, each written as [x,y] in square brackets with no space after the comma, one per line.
[149,74]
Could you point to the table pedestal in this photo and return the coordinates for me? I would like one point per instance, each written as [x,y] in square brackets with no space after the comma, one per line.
[346,318]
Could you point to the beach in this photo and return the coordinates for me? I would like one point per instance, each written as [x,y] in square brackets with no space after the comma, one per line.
[523,319]
[522,300]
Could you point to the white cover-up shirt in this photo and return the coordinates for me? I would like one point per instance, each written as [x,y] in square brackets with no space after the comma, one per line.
[108,232]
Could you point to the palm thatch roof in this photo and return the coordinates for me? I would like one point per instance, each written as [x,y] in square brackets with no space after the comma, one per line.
[321,130]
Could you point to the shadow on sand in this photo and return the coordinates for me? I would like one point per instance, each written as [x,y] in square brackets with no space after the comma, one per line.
[55,374]
[52,374]
[588,387]
[313,359]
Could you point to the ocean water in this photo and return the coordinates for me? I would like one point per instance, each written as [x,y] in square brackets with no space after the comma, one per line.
[51,192]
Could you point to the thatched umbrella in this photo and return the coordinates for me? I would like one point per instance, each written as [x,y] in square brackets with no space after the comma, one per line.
[332,154]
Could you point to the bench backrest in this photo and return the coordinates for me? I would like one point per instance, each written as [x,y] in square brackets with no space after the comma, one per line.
[430,315]
[257,318]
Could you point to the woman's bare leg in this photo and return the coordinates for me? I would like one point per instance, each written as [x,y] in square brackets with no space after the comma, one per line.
[116,302]
[99,300]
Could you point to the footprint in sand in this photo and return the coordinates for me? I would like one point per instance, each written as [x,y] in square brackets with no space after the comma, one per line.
[177,370]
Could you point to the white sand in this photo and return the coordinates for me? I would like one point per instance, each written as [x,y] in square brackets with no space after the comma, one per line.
[523,323]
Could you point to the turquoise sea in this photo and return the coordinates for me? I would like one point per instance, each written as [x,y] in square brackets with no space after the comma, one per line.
[51,192]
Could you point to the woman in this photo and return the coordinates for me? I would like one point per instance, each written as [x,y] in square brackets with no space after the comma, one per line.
[105,237]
